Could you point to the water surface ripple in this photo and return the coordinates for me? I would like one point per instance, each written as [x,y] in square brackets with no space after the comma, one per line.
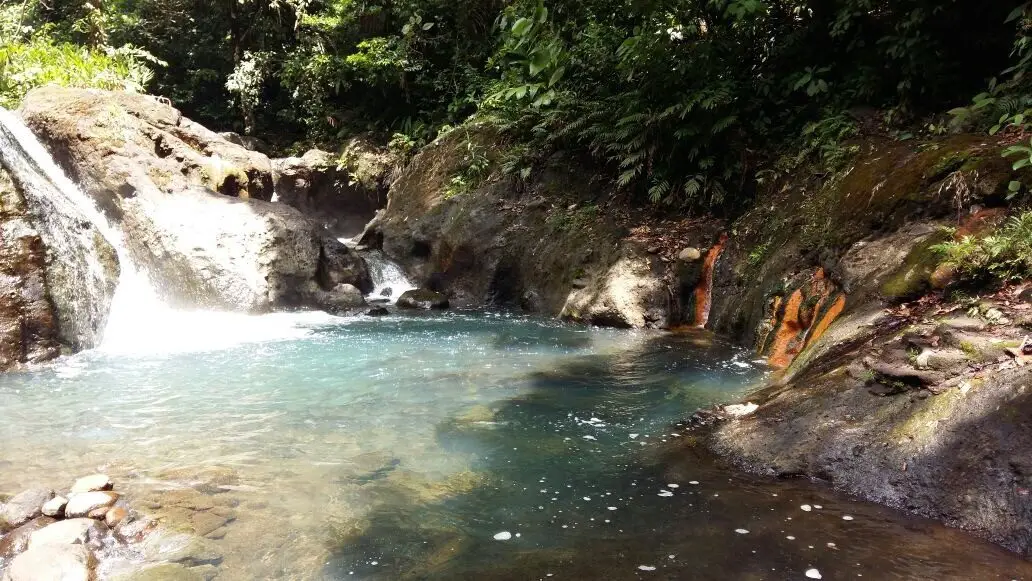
[455,446]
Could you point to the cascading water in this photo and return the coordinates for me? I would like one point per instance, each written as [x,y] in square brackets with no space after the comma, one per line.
[389,280]
[82,269]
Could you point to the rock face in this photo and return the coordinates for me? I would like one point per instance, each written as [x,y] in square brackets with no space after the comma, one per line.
[194,207]
[341,192]
[52,563]
[80,268]
[28,323]
[546,245]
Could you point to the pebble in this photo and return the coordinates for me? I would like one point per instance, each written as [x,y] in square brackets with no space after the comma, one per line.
[55,506]
[813,574]
[503,536]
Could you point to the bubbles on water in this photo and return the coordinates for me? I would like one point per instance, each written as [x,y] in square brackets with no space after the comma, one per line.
[847,517]
[813,574]
[742,531]
[503,536]
[646,568]
[806,508]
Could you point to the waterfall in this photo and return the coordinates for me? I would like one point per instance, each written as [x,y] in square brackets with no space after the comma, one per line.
[386,275]
[81,271]
[81,267]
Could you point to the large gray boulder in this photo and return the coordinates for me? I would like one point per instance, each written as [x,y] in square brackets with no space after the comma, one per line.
[192,205]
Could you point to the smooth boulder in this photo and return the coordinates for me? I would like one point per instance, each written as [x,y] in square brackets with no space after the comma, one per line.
[76,531]
[422,299]
[52,563]
[92,483]
[24,507]
[88,503]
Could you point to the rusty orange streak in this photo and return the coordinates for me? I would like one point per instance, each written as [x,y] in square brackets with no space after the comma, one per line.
[704,291]
[783,349]
[828,318]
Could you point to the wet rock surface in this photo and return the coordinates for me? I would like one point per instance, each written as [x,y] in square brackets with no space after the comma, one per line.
[340,191]
[194,207]
[100,537]
[923,408]
[422,299]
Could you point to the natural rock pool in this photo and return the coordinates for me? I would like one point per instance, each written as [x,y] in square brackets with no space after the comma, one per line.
[452,446]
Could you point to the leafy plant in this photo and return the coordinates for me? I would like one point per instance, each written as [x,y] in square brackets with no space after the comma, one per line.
[1003,255]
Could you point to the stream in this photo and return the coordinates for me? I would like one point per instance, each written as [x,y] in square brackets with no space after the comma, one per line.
[449,446]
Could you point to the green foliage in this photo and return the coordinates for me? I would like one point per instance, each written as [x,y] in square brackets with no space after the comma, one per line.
[684,103]
[1003,255]
[31,58]
[476,166]
[573,219]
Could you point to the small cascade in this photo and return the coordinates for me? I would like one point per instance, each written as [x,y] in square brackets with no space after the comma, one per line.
[389,280]
[82,269]
[704,292]
[138,321]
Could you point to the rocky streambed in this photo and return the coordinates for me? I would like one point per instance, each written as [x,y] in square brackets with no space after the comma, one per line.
[91,529]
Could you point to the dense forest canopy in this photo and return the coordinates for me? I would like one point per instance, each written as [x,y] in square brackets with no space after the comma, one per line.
[685,102]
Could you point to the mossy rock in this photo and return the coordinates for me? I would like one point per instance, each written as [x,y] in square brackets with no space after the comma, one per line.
[914,277]
[423,299]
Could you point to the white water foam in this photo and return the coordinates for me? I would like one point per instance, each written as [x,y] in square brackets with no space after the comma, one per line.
[140,322]
[386,275]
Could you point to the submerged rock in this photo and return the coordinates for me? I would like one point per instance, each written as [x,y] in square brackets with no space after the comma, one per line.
[378,312]
[164,572]
[422,299]
[52,563]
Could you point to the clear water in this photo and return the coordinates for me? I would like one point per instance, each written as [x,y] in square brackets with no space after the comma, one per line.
[398,448]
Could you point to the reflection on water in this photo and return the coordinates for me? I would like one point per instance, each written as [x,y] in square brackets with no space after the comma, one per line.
[403,448]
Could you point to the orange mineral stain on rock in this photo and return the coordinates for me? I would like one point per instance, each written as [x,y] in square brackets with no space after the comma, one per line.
[804,317]
[784,348]
[828,318]
[704,292]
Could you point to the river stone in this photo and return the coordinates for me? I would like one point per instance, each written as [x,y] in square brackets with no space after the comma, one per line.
[25,506]
[17,540]
[84,503]
[422,299]
[164,572]
[92,483]
[115,515]
[185,549]
[52,563]
[76,531]
[689,255]
[55,506]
